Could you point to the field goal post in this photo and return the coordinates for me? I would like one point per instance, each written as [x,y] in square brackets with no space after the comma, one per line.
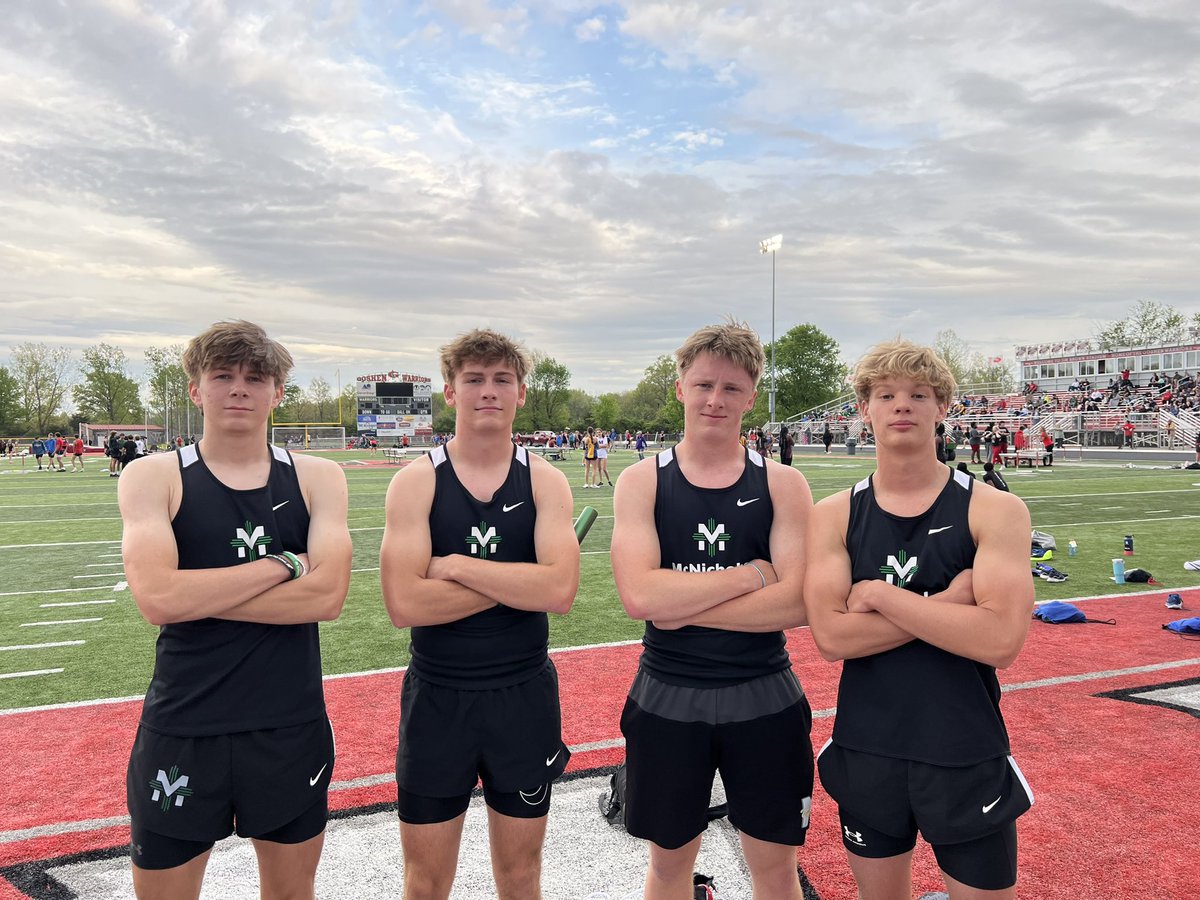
[309,435]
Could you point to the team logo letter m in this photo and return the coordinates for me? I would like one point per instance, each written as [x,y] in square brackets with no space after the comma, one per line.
[900,569]
[165,788]
[251,537]
[711,537]
[483,540]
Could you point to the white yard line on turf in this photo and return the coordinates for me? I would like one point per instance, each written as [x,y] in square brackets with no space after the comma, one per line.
[60,622]
[103,565]
[43,646]
[54,544]
[30,674]
[75,603]
[101,575]
[55,591]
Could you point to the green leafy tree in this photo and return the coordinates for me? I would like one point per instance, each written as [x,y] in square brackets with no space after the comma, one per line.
[808,372]
[955,352]
[320,397]
[652,405]
[581,409]
[443,414]
[971,369]
[42,374]
[546,391]
[350,409]
[1149,323]
[11,415]
[107,395]
[169,401]
[607,413]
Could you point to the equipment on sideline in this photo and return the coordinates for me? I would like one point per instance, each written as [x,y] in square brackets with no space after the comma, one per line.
[1057,612]
[585,521]
[1189,628]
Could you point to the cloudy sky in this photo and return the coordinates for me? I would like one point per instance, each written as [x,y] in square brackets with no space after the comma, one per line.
[369,178]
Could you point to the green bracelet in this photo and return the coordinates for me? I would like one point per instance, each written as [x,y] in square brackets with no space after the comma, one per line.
[298,567]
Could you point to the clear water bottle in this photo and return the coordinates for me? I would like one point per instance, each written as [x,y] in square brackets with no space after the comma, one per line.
[1119,570]
[1072,548]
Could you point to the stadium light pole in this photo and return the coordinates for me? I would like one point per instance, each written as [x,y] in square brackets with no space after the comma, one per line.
[771,245]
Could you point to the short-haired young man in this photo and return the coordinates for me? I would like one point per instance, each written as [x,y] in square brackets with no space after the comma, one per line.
[477,549]
[923,590]
[236,549]
[708,548]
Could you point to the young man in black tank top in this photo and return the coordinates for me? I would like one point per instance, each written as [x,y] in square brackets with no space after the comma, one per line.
[923,590]
[236,550]
[708,548]
[478,547]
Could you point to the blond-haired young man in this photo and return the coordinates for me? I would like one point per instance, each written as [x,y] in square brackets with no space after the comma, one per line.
[923,590]
[708,548]
[236,549]
[477,549]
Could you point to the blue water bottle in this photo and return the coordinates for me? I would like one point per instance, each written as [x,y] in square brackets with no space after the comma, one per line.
[1119,570]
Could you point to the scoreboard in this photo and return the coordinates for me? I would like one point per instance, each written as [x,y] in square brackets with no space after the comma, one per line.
[392,405]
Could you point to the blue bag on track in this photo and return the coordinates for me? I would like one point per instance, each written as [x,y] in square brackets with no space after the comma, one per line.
[1185,627]
[1058,612]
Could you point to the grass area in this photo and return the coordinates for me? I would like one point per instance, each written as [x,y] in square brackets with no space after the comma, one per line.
[59,543]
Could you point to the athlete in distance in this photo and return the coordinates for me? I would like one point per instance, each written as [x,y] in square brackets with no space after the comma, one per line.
[478,548]
[236,550]
[923,590]
[708,548]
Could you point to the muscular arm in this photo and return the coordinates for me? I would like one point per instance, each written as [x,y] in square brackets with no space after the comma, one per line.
[648,591]
[164,593]
[991,630]
[411,597]
[779,605]
[320,594]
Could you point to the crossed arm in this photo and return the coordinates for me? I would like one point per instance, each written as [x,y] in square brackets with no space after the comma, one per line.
[735,599]
[983,614]
[421,589]
[259,591]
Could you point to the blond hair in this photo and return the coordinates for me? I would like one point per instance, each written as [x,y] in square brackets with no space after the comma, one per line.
[903,359]
[731,340]
[487,347]
[230,344]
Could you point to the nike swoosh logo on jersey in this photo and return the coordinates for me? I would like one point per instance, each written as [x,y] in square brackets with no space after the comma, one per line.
[277,505]
[551,760]
[507,508]
[313,781]
[943,528]
[748,502]
[988,808]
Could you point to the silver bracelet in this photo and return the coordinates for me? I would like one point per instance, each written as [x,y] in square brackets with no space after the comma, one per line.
[760,573]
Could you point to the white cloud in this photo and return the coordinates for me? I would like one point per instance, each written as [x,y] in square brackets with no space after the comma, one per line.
[590,29]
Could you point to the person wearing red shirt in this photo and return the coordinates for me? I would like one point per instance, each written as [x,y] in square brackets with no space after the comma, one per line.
[77,455]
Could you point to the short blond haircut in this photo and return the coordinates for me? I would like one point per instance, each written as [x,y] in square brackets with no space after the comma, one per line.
[731,340]
[903,359]
[484,346]
[236,343]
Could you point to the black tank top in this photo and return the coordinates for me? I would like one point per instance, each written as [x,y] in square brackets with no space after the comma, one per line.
[917,701]
[216,676]
[699,530]
[501,646]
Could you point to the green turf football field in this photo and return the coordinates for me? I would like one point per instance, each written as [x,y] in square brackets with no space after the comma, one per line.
[64,605]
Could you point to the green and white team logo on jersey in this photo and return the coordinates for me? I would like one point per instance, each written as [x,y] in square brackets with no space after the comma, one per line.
[900,569]
[711,537]
[251,541]
[483,540]
[168,787]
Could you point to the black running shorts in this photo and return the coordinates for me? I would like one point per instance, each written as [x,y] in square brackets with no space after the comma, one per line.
[198,790]
[756,734]
[450,739]
[884,802]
